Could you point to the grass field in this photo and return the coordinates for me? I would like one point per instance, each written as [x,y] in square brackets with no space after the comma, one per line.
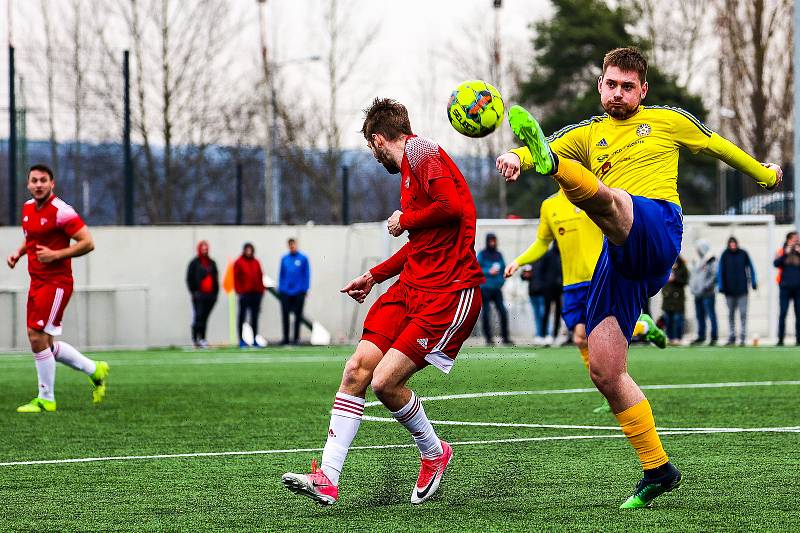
[273,404]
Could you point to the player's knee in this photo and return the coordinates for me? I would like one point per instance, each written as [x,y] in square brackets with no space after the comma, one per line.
[356,374]
[382,385]
[604,378]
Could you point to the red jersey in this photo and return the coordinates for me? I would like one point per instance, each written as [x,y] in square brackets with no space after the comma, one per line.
[439,214]
[247,276]
[52,226]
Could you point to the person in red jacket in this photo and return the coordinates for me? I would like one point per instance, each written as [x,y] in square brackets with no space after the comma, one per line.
[249,285]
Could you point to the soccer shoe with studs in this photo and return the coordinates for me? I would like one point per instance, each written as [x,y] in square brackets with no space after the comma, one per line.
[315,485]
[37,405]
[528,131]
[99,382]
[430,475]
[648,489]
[654,334]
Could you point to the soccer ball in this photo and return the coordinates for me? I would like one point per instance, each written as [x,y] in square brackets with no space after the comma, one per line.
[475,108]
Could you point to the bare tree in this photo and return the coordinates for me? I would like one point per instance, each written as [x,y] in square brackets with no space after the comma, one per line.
[756,72]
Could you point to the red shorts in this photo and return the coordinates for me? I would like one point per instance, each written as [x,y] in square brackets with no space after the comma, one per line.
[46,304]
[428,327]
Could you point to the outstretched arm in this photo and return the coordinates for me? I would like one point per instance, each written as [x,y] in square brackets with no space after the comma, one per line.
[766,175]
[392,266]
[535,251]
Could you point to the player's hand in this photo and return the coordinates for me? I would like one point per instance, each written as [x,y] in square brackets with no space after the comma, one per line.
[359,288]
[508,165]
[510,269]
[778,175]
[45,254]
[393,223]
[11,260]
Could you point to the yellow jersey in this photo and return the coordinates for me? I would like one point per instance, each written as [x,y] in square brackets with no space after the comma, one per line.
[640,154]
[579,239]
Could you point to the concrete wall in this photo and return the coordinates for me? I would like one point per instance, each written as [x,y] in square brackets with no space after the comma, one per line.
[131,291]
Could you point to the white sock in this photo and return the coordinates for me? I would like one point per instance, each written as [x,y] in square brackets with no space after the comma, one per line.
[67,354]
[345,420]
[413,417]
[46,371]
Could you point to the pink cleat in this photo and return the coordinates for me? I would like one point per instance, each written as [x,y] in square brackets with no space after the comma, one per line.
[315,485]
[430,475]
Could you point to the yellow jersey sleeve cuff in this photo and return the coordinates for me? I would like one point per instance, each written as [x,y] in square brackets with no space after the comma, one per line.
[726,151]
[535,252]
[525,158]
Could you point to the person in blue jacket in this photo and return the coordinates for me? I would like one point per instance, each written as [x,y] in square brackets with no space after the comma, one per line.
[734,275]
[293,282]
[493,266]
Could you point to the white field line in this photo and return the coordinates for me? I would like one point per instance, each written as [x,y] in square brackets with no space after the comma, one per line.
[791,429]
[592,389]
[376,447]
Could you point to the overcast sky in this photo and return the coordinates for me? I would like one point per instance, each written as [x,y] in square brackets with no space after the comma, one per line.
[409,58]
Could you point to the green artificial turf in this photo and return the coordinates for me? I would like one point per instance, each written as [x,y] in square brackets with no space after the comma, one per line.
[174,402]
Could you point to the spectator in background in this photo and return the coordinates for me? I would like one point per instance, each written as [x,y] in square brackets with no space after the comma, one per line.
[248,281]
[702,283]
[202,279]
[293,281]
[493,266]
[735,273]
[534,274]
[673,302]
[553,288]
[788,263]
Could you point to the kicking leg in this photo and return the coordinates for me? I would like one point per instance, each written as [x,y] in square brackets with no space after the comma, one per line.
[608,350]
[322,485]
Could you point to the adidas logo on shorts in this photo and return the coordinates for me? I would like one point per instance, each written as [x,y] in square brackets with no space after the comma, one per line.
[423,343]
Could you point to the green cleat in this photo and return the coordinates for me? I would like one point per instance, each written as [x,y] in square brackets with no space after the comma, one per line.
[528,131]
[100,382]
[37,405]
[648,489]
[605,408]
[654,334]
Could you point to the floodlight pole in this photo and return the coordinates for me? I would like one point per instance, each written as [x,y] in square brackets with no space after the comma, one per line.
[796,67]
[497,70]
[12,141]
[126,138]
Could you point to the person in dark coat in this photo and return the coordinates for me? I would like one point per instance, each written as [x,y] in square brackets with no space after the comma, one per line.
[493,265]
[788,261]
[734,276]
[202,279]
[553,288]
[673,302]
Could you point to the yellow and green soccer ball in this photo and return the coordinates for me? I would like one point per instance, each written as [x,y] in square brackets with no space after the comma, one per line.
[475,108]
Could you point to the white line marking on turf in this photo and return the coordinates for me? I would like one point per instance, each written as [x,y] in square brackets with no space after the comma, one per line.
[376,447]
[790,429]
[592,389]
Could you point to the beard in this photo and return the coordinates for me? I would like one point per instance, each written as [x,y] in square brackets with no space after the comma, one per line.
[386,160]
[620,111]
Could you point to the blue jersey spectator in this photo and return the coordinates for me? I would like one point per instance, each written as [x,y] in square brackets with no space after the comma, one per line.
[293,282]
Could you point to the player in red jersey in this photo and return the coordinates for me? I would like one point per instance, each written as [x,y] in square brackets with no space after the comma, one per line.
[49,225]
[423,318]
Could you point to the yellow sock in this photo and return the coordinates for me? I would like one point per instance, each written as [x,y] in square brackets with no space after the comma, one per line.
[576,181]
[585,356]
[640,328]
[638,425]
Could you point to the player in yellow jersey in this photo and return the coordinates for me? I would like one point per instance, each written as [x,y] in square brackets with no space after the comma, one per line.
[622,169]
[580,242]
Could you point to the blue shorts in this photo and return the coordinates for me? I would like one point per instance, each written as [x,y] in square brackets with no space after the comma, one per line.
[573,308]
[626,276]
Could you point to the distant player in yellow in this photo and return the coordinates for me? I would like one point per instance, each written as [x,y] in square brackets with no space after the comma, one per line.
[580,242]
[622,169]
